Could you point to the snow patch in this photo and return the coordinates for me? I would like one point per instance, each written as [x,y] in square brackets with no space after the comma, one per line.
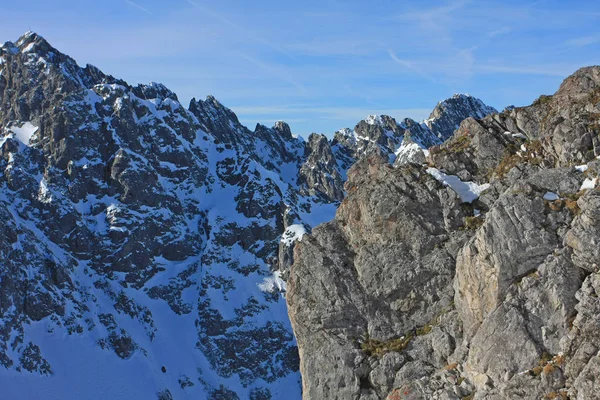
[44,194]
[408,150]
[516,135]
[374,120]
[588,184]
[273,283]
[467,191]
[293,233]
[29,47]
[24,133]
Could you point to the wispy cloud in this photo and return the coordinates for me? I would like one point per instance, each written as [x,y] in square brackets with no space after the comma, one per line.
[247,33]
[583,41]
[275,71]
[410,65]
[547,70]
[335,47]
[139,7]
[435,20]
[497,32]
[434,15]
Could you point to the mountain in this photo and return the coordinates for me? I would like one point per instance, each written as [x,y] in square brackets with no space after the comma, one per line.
[448,114]
[475,276]
[145,246]
[407,141]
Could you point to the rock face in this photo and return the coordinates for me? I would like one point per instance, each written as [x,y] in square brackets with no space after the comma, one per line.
[377,270]
[319,175]
[145,245]
[412,293]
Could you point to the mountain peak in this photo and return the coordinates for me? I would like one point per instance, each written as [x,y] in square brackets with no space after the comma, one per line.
[461,96]
[448,114]
[283,128]
[374,120]
[31,41]
[211,102]
[580,82]
[154,90]
[28,37]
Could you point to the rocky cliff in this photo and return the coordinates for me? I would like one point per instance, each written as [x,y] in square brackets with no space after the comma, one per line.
[474,276]
[145,245]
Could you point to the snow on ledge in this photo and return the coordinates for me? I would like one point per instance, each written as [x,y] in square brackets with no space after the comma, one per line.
[589,183]
[273,283]
[292,234]
[24,133]
[374,120]
[467,191]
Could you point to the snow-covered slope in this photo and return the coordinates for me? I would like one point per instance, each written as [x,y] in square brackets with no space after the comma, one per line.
[139,239]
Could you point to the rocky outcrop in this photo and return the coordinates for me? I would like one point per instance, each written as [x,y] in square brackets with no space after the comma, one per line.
[368,292]
[319,175]
[383,268]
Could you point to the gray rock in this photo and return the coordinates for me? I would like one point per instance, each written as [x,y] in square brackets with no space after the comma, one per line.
[377,271]
[512,242]
[526,272]
[319,174]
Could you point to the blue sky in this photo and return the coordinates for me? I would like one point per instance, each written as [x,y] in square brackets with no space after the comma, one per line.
[323,65]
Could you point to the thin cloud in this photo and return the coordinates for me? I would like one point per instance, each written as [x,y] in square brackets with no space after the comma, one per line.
[502,31]
[139,7]
[460,65]
[436,22]
[335,47]
[583,41]
[274,70]
[410,65]
[246,32]
[535,3]
[562,71]
[433,15]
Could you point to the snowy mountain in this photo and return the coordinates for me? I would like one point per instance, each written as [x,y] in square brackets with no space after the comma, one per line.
[408,140]
[145,245]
